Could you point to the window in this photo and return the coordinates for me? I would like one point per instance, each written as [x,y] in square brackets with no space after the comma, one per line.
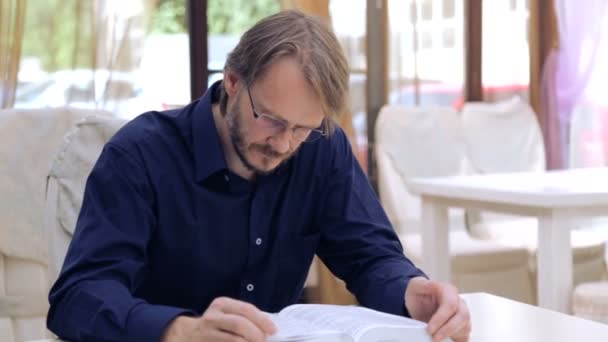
[426,9]
[426,40]
[104,54]
[505,55]
[426,58]
[349,21]
[449,9]
[226,22]
[448,38]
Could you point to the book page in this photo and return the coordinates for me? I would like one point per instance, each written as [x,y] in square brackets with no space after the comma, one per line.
[357,321]
[291,330]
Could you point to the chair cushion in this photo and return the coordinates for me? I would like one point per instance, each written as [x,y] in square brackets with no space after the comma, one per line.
[29,141]
[590,301]
[523,232]
[469,254]
[75,160]
[482,266]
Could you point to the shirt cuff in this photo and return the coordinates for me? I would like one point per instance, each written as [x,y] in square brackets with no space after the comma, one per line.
[394,299]
[148,322]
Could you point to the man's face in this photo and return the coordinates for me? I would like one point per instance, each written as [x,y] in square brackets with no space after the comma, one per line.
[283,94]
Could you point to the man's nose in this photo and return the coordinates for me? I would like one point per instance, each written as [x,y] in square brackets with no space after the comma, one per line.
[281,142]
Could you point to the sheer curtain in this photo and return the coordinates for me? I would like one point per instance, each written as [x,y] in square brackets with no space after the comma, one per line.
[568,72]
[12,17]
[71,52]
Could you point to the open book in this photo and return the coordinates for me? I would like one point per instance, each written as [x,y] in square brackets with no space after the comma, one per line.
[337,323]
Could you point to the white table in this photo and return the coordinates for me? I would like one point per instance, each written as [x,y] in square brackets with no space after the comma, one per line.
[556,198]
[497,319]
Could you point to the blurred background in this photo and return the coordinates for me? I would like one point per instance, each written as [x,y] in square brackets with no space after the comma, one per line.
[131,56]
[528,77]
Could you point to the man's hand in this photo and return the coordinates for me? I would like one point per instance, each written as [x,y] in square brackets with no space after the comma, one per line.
[441,307]
[225,319]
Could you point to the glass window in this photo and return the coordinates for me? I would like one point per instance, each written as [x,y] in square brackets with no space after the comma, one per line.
[426,59]
[449,9]
[349,21]
[426,40]
[448,37]
[505,54]
[111,55]
[226,22]
[426,7]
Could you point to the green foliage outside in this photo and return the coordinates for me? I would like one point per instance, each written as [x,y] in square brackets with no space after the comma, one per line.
[236,16]
[223,16]
[57,35]
[60,32]
[169,17]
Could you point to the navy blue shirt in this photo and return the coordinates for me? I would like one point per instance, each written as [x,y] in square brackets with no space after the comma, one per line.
[165,227]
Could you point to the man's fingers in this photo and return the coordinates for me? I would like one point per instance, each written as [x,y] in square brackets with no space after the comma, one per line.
[236,325]
[457,326]
[247,310]
[222,336]
[449,303]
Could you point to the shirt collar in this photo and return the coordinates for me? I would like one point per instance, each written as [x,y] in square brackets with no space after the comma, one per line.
[208,154]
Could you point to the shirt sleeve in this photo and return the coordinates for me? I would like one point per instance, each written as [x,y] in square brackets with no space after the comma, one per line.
[358,243]
[92,300]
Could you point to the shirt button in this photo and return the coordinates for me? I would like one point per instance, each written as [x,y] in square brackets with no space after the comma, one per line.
[258,241]
[249,287]
[226,178]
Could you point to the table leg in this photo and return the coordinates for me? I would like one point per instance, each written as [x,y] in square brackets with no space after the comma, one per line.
[435,240]
[554,261]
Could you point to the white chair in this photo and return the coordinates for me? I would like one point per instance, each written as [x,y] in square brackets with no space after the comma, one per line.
[29,142]
[72,165]
[590,301]
[425,142]
[505,137]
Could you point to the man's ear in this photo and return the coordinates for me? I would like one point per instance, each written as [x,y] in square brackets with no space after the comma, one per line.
[232,83]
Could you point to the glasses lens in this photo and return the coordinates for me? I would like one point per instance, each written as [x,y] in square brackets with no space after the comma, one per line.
[272,125]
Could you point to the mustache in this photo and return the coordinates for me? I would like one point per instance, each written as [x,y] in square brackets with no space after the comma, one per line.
[267,150]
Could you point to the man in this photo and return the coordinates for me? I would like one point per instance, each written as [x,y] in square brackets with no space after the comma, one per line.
[195,220]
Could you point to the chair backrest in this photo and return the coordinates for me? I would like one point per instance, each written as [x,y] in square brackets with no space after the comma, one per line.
[414,142]
[502,137]
[29,140]
[66,182]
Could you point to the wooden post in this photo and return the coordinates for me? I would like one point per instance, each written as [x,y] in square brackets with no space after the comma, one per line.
[197,28]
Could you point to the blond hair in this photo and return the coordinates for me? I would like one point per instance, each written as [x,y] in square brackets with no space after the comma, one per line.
[312,44]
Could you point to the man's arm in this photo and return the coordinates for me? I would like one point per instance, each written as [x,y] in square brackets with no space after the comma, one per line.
[93,298]
[358,243]
[359,246]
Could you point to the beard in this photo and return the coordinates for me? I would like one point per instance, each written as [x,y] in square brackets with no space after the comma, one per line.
[237,133]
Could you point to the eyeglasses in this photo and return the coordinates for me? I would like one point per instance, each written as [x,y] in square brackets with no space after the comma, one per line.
[275,126]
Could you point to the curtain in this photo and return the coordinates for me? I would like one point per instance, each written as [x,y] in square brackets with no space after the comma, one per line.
[12,18]
[79,49]
[568,70]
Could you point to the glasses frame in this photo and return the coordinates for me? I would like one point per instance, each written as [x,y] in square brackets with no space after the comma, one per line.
[313,135]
